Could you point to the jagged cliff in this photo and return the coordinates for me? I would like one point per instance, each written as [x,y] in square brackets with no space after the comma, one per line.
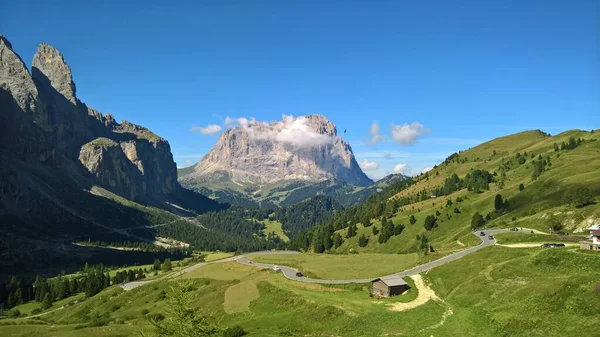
[60,159]
[259,153]
[256,155]
[142,161]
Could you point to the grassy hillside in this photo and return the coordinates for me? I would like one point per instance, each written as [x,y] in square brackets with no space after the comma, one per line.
[542,202]
[494,292]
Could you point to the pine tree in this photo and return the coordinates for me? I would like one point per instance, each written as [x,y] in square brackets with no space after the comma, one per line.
[183,318]
[363,241]
[337,240]
[498,202]
[477,221]
[46,301]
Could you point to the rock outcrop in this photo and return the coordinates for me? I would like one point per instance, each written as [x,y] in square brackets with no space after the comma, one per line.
[48,121]
[306,148]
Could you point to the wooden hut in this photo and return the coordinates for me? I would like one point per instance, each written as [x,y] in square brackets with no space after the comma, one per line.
[389,286]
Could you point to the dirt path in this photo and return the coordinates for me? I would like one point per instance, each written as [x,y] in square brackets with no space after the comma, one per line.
[425,294]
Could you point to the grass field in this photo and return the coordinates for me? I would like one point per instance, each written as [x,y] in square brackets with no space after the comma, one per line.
[274,226]
[331,266]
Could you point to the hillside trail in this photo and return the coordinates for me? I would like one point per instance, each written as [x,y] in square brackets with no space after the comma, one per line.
[425,294]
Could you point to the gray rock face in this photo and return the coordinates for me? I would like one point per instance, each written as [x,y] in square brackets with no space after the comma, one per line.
[15,78]
[49,122]
[306,148]
[53,68]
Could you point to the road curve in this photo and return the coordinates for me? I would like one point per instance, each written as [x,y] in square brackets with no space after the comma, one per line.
[290,273]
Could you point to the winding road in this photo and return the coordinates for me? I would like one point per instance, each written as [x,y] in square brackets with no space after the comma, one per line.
[290,273]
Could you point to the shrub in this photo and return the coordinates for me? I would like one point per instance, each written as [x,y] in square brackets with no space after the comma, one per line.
[477,221]
[145,312]
[14,313]
[235,331]
[156,317]
[36,311]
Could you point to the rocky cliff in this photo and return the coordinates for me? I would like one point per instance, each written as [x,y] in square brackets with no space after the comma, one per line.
[138,164]
[68,172]
[306,148]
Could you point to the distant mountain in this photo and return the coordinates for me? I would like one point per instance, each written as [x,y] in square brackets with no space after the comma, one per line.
[257,162]
[69,172]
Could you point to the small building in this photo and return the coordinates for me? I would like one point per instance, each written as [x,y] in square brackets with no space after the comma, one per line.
[593,242]
[389,286]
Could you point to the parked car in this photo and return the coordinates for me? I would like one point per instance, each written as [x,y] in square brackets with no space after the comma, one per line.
[514,229]
[299,274]
[276,268]
[481,234]
[553,245]
[562,233]
[491,237]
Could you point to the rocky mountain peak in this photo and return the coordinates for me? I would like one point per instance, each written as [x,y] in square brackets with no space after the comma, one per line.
[321,124]
[15,78]
[4,41]
[305,148]
[50,68]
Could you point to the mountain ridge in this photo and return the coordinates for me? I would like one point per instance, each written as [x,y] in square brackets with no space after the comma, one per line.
[254,158]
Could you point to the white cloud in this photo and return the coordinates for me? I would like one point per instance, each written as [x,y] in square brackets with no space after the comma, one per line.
[407,134]
[402,168]
[427,169]
[366,165]
[375,136]
[207,130]
[289,130]
[188,162]
[228,121]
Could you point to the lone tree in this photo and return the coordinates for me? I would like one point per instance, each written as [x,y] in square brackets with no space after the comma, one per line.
[477,221]
[183,320]
[337,240]
[363,241]
[521,187]
[498,202]
[430,222]
[156,264]
[166,266]
[412,219]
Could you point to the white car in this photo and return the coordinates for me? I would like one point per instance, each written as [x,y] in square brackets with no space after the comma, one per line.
[276,268]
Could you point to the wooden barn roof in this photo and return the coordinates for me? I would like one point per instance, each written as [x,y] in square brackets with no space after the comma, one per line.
[391,281]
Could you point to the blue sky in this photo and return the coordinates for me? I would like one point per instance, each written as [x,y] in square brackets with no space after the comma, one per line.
[467,71]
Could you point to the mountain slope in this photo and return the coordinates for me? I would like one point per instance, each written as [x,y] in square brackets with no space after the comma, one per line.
[62,159]
[257,161]
[550,175]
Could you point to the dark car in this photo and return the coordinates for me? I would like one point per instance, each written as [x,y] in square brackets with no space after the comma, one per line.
[481,234]
[491,237]
[514,229]
[562,233]
[299,274]
[553,245]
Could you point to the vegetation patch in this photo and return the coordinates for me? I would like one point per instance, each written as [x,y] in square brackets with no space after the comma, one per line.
[239,296]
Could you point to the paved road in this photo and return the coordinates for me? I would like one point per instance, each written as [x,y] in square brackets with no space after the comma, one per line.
[290,273]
